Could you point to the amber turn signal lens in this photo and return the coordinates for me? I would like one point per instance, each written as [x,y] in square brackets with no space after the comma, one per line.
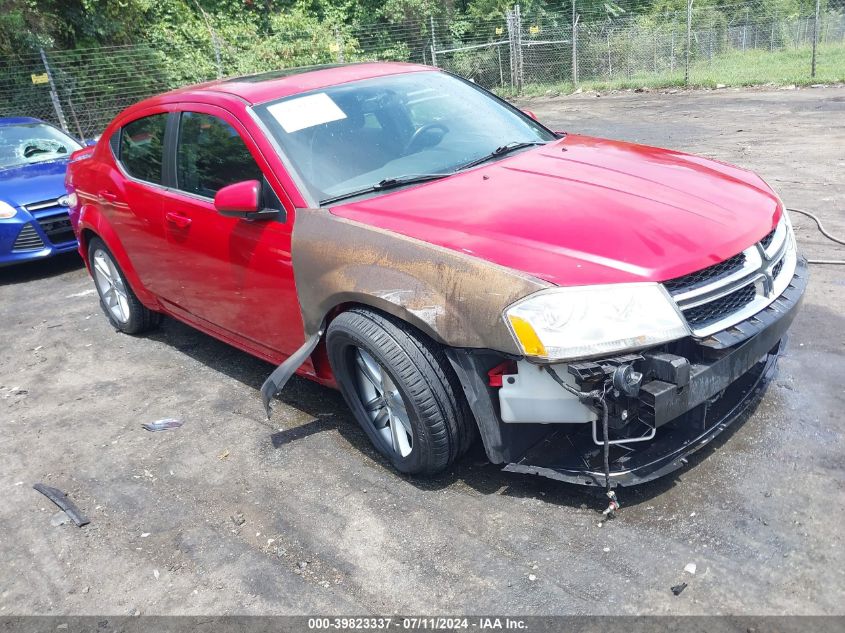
[527,337]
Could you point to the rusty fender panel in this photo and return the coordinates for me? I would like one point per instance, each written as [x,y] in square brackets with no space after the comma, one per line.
[454,298]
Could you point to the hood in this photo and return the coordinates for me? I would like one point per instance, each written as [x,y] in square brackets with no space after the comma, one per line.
[586,210]
[35,182]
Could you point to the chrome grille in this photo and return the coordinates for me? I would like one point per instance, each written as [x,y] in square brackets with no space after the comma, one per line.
[718,309]
[28,240]
[44,204]
[767,241]
[722,295]
[705,276]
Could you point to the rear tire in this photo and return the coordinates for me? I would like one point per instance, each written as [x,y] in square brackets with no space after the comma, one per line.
[123,309]
[401,390]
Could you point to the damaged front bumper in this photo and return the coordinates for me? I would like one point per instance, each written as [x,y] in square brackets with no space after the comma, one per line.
[689,394]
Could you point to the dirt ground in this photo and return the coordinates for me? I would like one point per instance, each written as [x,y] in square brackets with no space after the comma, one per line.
[232,514]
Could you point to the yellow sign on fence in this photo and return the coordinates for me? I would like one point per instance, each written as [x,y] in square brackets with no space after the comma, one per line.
[40,79]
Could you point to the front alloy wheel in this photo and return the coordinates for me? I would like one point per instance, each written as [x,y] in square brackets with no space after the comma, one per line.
[401,389]
[383,403]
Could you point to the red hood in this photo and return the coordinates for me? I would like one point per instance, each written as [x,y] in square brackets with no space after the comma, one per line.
[586,211]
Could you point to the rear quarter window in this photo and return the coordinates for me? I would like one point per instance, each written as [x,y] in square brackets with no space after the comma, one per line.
[142,147]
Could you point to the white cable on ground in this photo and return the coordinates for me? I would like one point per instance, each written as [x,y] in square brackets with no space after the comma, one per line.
[829,236]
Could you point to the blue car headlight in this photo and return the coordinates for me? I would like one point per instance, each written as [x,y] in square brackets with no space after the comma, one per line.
[7,211]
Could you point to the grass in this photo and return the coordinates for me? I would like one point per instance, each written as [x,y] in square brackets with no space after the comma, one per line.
[737,68]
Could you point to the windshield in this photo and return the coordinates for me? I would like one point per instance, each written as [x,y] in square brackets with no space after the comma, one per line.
[349,137]
[33,143]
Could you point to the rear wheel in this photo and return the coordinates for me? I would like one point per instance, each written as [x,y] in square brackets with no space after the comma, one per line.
[123,309]
[401,390]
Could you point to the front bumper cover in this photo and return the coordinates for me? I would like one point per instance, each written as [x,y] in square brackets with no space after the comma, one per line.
[717,395]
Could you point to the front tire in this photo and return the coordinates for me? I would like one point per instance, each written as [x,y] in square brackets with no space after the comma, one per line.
[401,390]
[123,309]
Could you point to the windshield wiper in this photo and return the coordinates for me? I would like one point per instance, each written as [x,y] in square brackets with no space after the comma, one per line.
[387,183]
[507,148]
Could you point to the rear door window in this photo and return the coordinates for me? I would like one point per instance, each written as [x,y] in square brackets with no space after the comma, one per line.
[142,147]
[211,155]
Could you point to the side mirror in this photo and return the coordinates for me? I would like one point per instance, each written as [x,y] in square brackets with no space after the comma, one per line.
[531,114]
[240,200]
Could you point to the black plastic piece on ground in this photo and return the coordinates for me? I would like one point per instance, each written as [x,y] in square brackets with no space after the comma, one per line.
[677,589]
[61,499]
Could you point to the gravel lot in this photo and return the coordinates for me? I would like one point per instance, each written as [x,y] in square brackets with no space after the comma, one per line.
[232,514]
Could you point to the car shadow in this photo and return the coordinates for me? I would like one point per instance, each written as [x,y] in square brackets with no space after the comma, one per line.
[40,269]
[473,470]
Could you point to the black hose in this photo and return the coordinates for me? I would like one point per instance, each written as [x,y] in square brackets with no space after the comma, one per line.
[818,222]
[604,425]
[824,232]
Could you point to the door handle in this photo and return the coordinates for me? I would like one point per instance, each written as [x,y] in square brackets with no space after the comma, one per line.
[105,194]
[180,221]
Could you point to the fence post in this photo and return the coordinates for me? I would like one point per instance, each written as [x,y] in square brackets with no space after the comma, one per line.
[511,46]
[339,43]
[433,42]
[654,49]
[214,43]
[745,29]
[815,38]
[575,19]
[520,76]
[501,72]
[772,39]
[54,95]
[689,41]
[672,46]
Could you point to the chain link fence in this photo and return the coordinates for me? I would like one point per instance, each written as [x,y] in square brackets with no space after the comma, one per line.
[521,53]
[745,43]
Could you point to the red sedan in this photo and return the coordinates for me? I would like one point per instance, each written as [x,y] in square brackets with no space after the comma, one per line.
[597,310]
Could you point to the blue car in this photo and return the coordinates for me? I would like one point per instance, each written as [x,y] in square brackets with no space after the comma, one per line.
[34,222]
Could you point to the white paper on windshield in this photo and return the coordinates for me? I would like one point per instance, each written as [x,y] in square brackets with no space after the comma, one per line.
[304,112]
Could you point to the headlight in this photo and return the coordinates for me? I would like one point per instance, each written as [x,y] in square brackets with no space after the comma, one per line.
[69,200]
[7,211]
[583,321]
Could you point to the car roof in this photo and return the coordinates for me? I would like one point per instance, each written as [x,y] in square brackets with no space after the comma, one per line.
[18,120]
[276,84]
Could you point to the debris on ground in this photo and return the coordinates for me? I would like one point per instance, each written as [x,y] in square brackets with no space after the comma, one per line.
[612,506]
[61,500]
[690,569]
[677,589]
[163,425]
[222,456]
[60,518]
[238,519]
